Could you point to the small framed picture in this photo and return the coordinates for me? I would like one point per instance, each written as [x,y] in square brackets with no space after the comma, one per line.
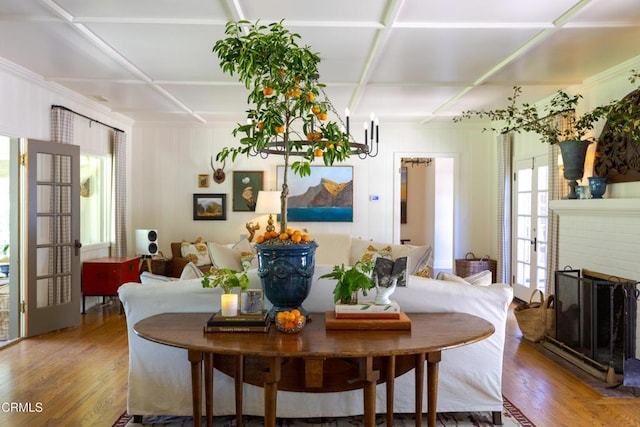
[203,181]
[246,185]
[209,207]
[251,301]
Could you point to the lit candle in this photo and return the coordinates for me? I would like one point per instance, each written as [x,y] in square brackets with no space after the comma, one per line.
[229,304]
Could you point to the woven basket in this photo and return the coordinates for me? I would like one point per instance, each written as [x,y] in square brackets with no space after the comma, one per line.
[535,318]
[472,265]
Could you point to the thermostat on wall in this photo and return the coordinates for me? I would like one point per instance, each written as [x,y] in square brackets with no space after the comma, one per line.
[374,197]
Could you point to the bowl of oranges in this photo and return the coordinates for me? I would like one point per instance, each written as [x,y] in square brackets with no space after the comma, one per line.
[290,321]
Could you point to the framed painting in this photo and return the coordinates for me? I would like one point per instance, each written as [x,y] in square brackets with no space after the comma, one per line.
[246,185]
[203,181]
[209,207]
[324,196]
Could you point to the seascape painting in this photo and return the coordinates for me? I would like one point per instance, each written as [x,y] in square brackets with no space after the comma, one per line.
[324,196]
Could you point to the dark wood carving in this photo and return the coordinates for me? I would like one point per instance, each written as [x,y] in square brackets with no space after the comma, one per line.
[618,156]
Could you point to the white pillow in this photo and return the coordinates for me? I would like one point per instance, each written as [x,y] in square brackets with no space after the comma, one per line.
[248,255]
[480,279]
[224,257]
[333,248]
[191,271]
[146,277]
[450,278]
[196,252]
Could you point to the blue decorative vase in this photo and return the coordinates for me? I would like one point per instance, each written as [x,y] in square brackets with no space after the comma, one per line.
[286,272]
[573,156]
[597,186]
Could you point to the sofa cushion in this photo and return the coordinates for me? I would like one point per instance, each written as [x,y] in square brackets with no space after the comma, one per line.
[196,252]
[333,248]
[191,271]
[146,278]
[224,257]
[482,278]
[450,278]
[419,258]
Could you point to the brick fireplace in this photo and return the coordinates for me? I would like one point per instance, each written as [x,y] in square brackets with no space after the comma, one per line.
[601,235]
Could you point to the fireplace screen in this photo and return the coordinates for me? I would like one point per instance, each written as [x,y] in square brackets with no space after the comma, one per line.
[596,317]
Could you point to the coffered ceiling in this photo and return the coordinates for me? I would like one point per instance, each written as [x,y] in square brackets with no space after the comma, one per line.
[406,60]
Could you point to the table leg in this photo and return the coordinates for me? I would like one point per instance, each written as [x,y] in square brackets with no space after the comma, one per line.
[419,391]
[433,359]
[370,377]
[195,357]
[271,378]
[208,387]
[391,376]
[239,377]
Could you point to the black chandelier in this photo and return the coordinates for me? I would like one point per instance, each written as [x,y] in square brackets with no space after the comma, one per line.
[368,148]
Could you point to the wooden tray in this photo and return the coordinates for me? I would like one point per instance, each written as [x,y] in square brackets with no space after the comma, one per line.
[401,324]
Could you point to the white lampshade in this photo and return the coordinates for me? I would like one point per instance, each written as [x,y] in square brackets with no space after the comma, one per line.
[268,202]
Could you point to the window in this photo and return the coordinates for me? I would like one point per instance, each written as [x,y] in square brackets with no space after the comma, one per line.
[95,199]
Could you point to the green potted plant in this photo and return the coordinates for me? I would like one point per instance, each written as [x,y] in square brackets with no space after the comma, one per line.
[227,279]
[351,281]
[557,123]
[286,117]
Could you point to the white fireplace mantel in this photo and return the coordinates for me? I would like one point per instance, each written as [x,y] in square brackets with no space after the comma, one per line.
[620,207]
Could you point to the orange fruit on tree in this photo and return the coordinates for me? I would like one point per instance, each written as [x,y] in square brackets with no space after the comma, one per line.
[279,129]
[322,116]
[310,97]
[317,152]
[267,91]
[315,110]
[330,146]
[260,125]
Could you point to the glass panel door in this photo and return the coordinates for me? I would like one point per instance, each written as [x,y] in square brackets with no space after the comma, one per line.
[530,226]
[53,286]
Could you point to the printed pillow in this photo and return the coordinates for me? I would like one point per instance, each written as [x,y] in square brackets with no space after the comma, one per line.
[372,253]
[196,252]
[359,248]
[426,272]
[419,258]
[191,271]
[482,278]
[248,256]
[224,257]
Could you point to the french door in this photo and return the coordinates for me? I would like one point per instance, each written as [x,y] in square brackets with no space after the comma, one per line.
[531,197]
[52,237]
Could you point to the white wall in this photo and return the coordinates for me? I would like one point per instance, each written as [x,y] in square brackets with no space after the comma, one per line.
[25,112]
[168,159]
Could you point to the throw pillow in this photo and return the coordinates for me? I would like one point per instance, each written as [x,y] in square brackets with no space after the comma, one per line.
[196,252]
[450,278]
[482,278]
[419,258]
[146,278]
[372,253]
[248,256]
[191,271]
[224,257]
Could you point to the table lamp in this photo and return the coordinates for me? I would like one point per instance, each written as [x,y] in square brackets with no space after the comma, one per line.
[268,203]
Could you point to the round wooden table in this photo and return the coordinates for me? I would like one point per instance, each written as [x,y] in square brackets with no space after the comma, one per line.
[258,357]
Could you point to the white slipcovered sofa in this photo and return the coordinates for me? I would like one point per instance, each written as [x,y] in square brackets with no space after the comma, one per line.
[470,377]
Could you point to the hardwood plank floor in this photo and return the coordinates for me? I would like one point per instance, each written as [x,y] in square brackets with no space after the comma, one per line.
[79,375]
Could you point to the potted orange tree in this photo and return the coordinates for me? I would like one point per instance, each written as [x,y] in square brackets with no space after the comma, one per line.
[288,117]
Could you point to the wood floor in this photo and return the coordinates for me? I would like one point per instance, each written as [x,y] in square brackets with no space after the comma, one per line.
[79,377]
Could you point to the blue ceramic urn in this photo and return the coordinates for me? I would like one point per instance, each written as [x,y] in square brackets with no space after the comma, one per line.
[286,272]
[597,186]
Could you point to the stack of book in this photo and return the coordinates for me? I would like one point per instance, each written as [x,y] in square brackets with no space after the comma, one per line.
[368,310]
[243,322]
